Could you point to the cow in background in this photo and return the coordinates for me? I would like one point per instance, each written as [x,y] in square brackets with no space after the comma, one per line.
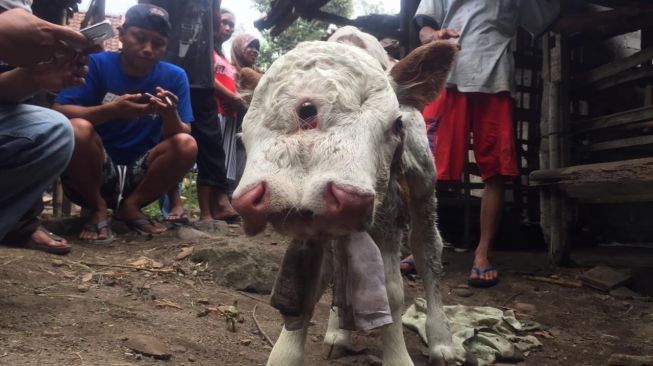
[336,146]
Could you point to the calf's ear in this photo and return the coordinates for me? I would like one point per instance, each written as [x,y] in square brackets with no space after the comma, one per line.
[419,77]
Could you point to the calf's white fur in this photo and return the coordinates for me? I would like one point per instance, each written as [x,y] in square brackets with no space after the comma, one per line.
[365,117]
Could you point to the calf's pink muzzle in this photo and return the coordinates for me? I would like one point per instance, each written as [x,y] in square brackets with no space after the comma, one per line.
[345,211]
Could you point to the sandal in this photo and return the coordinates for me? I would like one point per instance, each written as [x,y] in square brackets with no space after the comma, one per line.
[64,249]
[138,224]
[95,228]
[408,266]
[479,282]
[234,219]
[177,219]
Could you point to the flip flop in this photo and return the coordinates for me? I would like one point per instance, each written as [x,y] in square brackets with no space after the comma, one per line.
[95,228]
[410,268]
[235,219]
[479,282]
[177,219]
[47,248]
[137,225]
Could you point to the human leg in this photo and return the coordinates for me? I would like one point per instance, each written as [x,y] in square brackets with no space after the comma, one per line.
[166,164]
[175,207]
[28,233]
[204,201]
[35,147]
[491,207]
[83,179]
[495,153]
[212,184]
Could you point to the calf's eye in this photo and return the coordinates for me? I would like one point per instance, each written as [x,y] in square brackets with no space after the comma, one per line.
[398,126]
[307,111]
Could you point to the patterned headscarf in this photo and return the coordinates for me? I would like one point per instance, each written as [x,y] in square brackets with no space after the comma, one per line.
[238,47]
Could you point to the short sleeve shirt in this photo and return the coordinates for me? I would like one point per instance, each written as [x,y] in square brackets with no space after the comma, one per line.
[225,74]
[485,62]
[126,140]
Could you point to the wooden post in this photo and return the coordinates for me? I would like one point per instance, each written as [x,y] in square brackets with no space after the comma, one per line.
[647,42]
[558,147]
[410,39]
[545,195]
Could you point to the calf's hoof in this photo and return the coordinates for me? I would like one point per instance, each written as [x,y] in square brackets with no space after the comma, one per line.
[444,356]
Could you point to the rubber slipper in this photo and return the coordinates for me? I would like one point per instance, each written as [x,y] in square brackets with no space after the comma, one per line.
[177,219]
[410,268]
[235,219]
[479,282]
[65,249]
[95,228]
[137,225]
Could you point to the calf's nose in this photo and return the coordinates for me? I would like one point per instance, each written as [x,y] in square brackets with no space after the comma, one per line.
[252,206]
[346,207]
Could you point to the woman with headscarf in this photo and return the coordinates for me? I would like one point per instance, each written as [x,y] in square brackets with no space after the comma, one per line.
[244,52]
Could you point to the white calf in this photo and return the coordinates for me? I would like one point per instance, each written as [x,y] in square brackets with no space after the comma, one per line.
[336,144]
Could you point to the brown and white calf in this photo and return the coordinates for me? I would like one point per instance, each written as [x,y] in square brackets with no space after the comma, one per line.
[336,144]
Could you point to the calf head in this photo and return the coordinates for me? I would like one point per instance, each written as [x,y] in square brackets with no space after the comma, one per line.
[322,129]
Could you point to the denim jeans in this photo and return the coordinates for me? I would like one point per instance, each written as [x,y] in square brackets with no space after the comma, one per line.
[35,147]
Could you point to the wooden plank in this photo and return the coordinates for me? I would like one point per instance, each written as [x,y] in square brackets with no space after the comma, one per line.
[615,80]
[599,20]
[616,171]
[613,68]
[609,192]
[618,144]
[619,3]
[613,120]
[604,31]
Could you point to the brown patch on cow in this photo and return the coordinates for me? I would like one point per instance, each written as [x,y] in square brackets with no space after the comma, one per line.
[350,38]
[421,75]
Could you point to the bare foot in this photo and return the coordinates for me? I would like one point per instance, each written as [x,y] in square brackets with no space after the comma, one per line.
[176,208]
[96,227]
[46,241]
[222,209]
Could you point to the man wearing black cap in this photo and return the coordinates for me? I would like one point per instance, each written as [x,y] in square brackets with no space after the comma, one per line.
[132,140]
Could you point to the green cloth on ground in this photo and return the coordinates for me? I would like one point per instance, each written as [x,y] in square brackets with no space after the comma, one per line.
[484,334]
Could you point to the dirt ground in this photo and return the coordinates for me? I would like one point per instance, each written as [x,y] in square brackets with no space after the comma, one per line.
[82,308]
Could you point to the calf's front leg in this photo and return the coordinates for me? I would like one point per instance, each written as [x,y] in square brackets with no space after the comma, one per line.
[394,345]
[288,350]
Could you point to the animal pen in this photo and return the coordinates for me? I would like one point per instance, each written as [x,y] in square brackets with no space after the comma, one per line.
[583,120]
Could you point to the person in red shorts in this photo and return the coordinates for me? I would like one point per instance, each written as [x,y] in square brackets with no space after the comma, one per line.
[478,100]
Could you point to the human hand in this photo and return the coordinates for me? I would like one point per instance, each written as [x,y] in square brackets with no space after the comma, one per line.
[235,104]
[428,34]
[59,73]
[129,106]
[165,102]
[27,40]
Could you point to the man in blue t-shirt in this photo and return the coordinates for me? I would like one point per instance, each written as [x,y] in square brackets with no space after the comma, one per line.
[132,139]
